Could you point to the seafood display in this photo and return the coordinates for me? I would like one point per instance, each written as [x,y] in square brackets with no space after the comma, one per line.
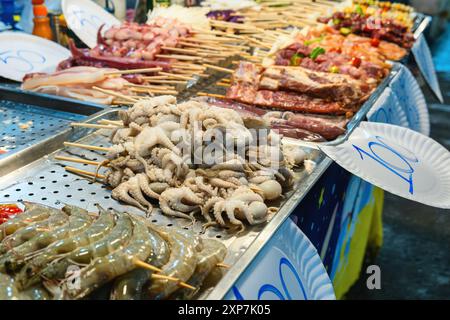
[102,256]
[160,155]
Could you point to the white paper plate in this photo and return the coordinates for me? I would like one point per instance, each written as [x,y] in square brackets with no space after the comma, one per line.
[287,268]
[387,109]
[21,53]
[85,17]
[398,160]
[412,101]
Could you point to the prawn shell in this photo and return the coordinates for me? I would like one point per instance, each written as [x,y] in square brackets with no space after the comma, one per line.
[130,285]
[119,262]
[27,233]
[77,222]
[213,252]
[113,240]
[29,274]
[181,264]
[34,212]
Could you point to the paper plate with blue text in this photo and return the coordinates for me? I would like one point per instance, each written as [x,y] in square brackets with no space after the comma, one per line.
[399,160]
[412,100]
[387,109]
[287,268]
[22,53]
[85,17]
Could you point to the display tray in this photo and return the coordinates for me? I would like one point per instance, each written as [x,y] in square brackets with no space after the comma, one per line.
[29,121]
[45,181]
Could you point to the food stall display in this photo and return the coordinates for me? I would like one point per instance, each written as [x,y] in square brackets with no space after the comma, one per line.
[122,204]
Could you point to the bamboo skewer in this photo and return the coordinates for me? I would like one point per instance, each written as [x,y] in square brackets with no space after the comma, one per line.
[218,68]
[150,86]
[166,81]
[144,265]
[213,95]
[78,160]
[86,146]
[116,94]
[177,56]
[118,123]
[149,90]
[176,76]
[142,70]
[223,265]
[84,172]
[222,84]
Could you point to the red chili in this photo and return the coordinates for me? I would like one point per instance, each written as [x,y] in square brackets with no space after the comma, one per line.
[8,210]
[375,42]
[356,62]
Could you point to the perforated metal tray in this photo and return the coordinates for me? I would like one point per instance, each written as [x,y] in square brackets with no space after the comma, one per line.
[46,181]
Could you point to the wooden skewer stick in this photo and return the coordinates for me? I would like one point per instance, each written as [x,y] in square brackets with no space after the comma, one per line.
[145,265]
[78,160]
[213,95]
[181,50]
[166,81]
[116,94]
[177,56]
[142,70]
[176,76]
[149,90]
[86,146]
[92,125]
[84,172]
[218,68]
[150,86]
[223,265]
[118,123]
[222,84]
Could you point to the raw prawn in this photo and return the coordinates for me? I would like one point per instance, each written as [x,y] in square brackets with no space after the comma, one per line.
[119,262]
[29,273]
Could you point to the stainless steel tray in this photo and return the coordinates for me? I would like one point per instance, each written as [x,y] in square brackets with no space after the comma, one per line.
[46,181]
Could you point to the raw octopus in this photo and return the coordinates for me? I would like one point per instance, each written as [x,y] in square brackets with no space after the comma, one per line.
[154,159]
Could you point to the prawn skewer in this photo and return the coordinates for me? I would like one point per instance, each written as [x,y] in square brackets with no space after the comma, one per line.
[78,221]
[29,275]
[33,212]
[111,241]
[119,262]
[27,233]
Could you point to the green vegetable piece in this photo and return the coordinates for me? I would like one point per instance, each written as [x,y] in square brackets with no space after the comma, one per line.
[345,31]
[316,52]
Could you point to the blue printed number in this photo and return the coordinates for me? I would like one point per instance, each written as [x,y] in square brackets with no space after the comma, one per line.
[21,60]
[85,20]
[405,173]
[269,288]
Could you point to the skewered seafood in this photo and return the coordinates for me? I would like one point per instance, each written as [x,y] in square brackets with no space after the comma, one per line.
[78,221]
[181,264]
[78,83]
[170,174]
[29,273]
[105,269]
[106,254]
[211,254]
